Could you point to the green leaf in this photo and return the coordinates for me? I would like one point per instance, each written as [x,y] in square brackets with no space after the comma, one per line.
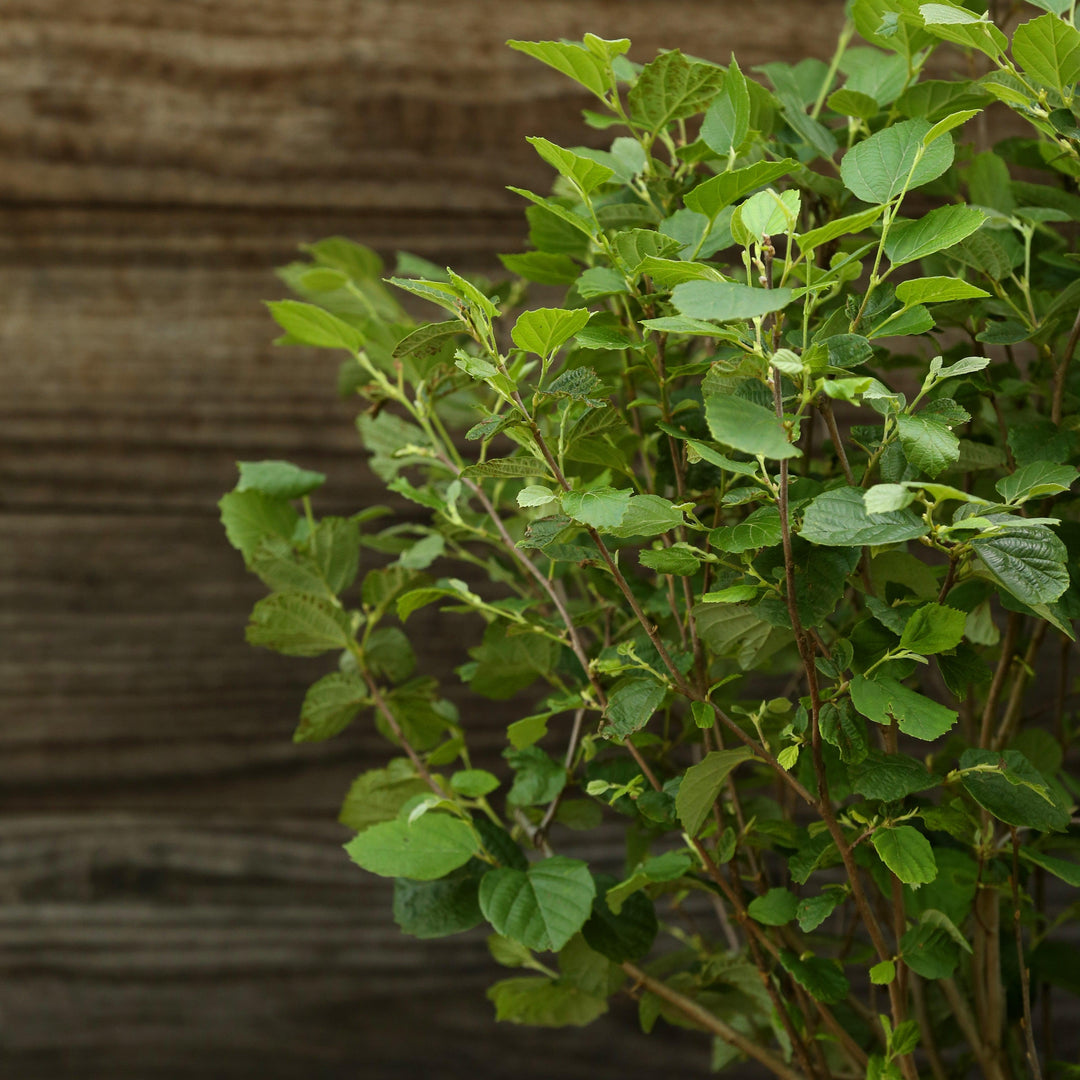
[601,507]
[720,191]
[748,427]
[583,172]
[848,102]
[550,207]
[433,909]
[1028,560]
[928,443]
[822,979]
[964,28]
[625,935]
[843,728]
[671,560]
[936,290]
[936,231]
[930,951]
[727,301]
[278,479]
[573,60]
[631,705]
[379,794]
[544,1002]
[887,498]
[883,973]
[508,663]
[306,324]
[1048,50]
[907,853]
[1036,480]
[538,778]
[838,518]
[812,911]
[473,783]
[727,121]
[1066,871]
[542,907]
[761,529]
[297,624]
[776,908]
[890,777]
[878,169]
[251,516]
[330,706]
[430,847]
[508,468]
[535,495]
[933,628]
[670,866]
[701,786]
[883,700]
[1013,790]
[833,230]
[649,515]
[581,384]
[542,267]
[672,88]
[545,330]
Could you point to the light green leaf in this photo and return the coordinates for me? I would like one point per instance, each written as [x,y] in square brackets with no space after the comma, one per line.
[1029,560]
[601,508]
[1035,480]
[507,468]
[727,301]
[631,705]
[886,498]
[670,866]
[777,907]
[937,290]
[937,230]
[545,330]
[812,911]
[727,121]
[710,197]
[538,778]
[769,213]
[882,974]
[1048,50]
[583,172]
[702,783]
[573,60]
[948,123]
[542,907]
[379,794]
[907,853]
[600,281]
[536,495]
[544,1002]
[278,479]
[933,628]
[878,169]
[330,706]
[848,102]
[671,88]
[883,700]
[967,366]
[543,267]
[581,383]
[839,518]
[473,783]
[649,515]
[425,849]
[298,624]
[306,324]
[963,27]
[928,443]
[748,427]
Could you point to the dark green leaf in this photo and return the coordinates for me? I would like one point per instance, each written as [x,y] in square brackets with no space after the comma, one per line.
[278,479]
[748,427]
[1013,790]
[940,229]
[701,786]
[628,935]
[891,777]
[822,979]
[631,705]
[933,628]
[432,909]
[838,518]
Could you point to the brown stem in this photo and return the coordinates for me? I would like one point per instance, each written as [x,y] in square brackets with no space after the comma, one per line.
[933,1055]
[997,684]
[1016,692]
[950,577]
[1062,370]
[826,410]
[1025,974]
[395,727]
[713,1024]
[966,1022]
[568,761]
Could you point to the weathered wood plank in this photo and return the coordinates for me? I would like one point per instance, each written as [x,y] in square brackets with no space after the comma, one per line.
[410,103]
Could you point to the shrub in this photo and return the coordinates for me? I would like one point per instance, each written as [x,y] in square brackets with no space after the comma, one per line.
[767,523]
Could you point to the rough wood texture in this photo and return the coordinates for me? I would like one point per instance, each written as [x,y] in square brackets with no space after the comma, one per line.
[174,902]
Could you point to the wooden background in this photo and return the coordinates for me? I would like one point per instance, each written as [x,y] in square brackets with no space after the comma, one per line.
[174,902]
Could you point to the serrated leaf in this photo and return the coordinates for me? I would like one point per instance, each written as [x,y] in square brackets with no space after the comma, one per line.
[573,60]
[702,783]
[649,515]
[907,853]
[1048,50]
[928,444]
[379,794]
[1013,790]
[535,495]
[1062,869]
[278,479]
[631,705]
[330,706]
[307,324]
[298,624]
[761,529]
[720,191]
[427,848]
[251,516]
[822,979]
[507,468]
[748,427]
[544,1002]
[671,88]
[777,907]
[937,290]
[964,28]
[878,169]
[727,301]
[933,628]
[542,907]
[727,120]
[583,172]
[581,384]
[545,330]
[1037,479]
[890,777]
[627,934]
[839,518]
[929,951]
[940,229]
[1029,560]
[812,911]
[538,778]
[883,700]
[601,508]
[433,909]
[670,560]
[833,230]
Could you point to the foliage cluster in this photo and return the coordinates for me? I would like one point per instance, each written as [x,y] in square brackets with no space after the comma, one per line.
[767,521]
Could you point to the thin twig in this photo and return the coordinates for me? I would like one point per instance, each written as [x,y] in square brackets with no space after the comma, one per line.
[1025,974]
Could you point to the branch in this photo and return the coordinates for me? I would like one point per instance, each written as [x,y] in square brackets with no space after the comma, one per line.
[1025,974]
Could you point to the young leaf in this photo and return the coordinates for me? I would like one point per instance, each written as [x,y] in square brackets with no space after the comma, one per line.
[545,330]
[748,427]
[928,443]
[894,160]
[839,518]
[720,191]
[573,60]
[306,324]
[907,853]
[542,907]
[882,974]
[964,28]
[776,908]
[727,121]
[701,786]
[602,507]
[425,849]
[933,628]
[473,783]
